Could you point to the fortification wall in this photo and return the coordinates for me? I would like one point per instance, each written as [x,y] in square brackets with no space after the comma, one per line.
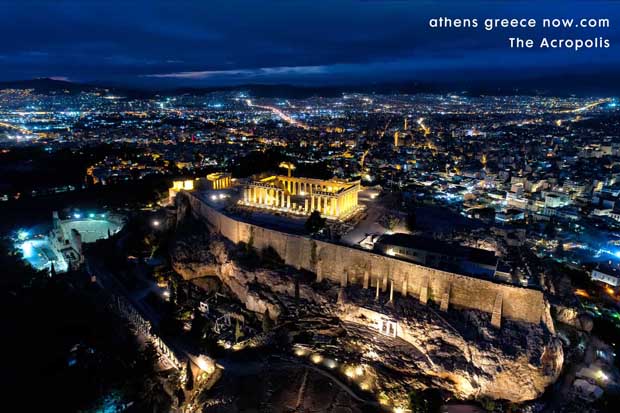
[341,264]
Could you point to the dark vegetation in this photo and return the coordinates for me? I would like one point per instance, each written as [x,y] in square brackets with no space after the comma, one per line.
[425,401]
[315,222]
[64,350]
[260,162]
[26,169]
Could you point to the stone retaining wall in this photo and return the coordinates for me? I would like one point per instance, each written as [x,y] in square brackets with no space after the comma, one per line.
[342,264]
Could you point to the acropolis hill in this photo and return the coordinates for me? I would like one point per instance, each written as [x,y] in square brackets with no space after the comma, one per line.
[501,339]
[345,265]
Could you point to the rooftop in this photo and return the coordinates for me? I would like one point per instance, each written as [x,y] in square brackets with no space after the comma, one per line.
[440,247]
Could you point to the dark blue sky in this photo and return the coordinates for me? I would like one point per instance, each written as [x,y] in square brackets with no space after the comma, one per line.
[204,42]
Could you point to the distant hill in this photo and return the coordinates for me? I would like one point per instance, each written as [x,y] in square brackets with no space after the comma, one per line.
[55,86]
[300,92]
[603,84]
[47,85]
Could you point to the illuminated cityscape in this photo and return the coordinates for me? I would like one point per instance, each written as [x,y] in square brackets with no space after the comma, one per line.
[305,221]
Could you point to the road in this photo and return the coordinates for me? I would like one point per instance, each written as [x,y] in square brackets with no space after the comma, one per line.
[280,114]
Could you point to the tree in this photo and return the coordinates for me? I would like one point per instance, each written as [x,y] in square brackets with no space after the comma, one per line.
[238,332]
[189,378]
[315,222]
[392,222]
[296,293]
[411,221]
[427,401]
[550,228]
[250,244]
[559,250]
[199,325]
[267,322]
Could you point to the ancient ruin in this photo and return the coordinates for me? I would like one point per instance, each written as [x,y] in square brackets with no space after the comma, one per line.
[332,198]
[401,324]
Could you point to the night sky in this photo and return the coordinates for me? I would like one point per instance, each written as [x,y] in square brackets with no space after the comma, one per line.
[205,42]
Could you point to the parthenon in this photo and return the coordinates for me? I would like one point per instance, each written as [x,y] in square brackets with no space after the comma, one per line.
[334,199]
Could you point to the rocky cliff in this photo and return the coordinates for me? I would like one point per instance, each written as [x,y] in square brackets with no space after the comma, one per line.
[457,351]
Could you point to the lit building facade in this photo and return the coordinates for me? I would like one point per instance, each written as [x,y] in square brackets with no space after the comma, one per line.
[220,180]
[177,186]
[334,199]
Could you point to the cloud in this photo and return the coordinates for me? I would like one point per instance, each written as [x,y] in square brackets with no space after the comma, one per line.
[263,71]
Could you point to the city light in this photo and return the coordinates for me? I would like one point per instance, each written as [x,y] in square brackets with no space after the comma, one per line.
[205,365]
[316,358]
[397,200]
[27,249]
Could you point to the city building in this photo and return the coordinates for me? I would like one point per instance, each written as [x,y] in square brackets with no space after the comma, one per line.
[177,186]
[438,254]
[606,273]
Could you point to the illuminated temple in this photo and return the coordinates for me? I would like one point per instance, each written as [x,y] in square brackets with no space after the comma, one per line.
[333,198]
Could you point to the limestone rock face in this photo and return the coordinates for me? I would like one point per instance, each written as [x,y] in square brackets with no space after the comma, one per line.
[192,253]
[458,350]
[243,285]
[191,262]
[264,289]
[573,317]
[199,254]
[461,353]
